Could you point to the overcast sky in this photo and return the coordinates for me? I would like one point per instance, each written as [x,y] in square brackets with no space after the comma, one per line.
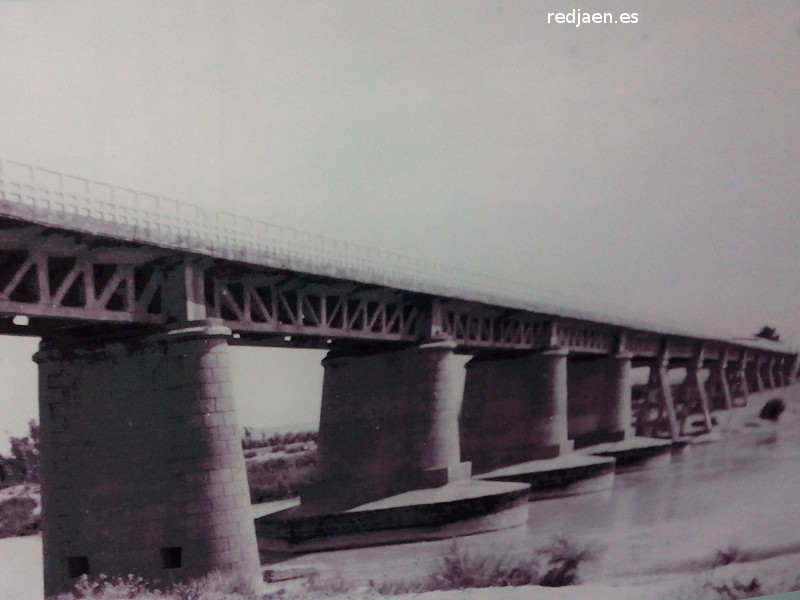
[651,168]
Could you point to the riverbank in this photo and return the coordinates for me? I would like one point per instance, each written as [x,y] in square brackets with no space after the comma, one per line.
[20,579]
[661,531]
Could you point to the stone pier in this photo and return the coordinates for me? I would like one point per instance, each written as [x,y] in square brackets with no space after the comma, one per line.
[600,400]
[515,409]
[515,426]
[601,412]
[390,467]
[142,463]
[388,424]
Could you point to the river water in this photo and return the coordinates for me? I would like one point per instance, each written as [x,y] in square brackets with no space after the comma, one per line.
[738,493]
[741,492]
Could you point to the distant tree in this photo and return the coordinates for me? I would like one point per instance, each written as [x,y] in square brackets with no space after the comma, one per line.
[768,333]
[23,464]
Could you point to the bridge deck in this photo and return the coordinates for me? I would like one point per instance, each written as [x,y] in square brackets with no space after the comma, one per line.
[266,278]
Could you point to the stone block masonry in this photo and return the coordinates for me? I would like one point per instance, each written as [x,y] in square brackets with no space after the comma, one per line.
[142,469]
[389,423]
[515,409]
[600,400]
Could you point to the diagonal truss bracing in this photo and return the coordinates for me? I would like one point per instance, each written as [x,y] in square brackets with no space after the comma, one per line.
[257,303]
[43,283]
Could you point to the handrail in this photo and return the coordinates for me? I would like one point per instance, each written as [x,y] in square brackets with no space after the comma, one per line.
[57,199]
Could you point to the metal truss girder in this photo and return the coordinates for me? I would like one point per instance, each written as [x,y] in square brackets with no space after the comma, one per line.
[248,305]
[487,327]
[490,327]
[584,337]
[35,282]
[681,348]
[643,344]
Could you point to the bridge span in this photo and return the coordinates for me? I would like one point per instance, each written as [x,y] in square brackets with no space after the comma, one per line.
[433,376]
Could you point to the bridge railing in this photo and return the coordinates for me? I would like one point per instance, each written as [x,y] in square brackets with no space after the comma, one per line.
[52,198]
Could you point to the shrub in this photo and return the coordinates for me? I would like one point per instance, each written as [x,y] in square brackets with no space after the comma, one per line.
[562,559]
[461,569]
[18,517]
[772,409]
[23,464]
[278,478]
[278,441]
[729,555]
[106,588]
[736,590]
[215,586]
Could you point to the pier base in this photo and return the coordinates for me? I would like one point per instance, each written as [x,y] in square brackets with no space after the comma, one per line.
[567,475]
[456,509]
[634,452]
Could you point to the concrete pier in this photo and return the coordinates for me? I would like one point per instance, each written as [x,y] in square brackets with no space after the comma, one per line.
[142,463]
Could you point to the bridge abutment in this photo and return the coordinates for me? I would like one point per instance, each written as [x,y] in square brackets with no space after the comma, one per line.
[142,469]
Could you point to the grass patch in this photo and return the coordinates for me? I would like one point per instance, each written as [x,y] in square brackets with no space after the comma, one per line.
[556,564]
[732,589]
[278,442]
[737,587]
[215,586]
[562,561]
[19,510]
[728,556]
[276,478]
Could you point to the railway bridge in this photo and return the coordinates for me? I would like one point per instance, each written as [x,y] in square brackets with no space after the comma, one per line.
[434,376]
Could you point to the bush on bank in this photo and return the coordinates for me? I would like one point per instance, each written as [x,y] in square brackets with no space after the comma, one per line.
[554,565]
[20,513]
[215,586]
[279,478]
[19,486]
[23,464]
[456,569]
